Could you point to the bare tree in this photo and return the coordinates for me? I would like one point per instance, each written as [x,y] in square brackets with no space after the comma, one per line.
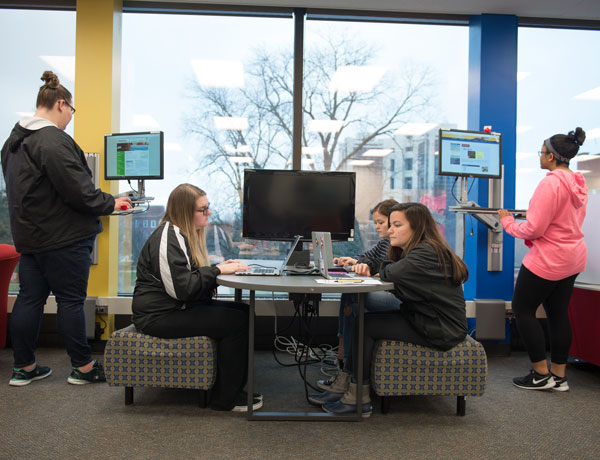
[266,100]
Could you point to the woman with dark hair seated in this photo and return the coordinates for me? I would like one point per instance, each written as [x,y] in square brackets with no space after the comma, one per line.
[428,279]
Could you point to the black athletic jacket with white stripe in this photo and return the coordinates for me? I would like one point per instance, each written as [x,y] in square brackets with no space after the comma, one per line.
[167,278]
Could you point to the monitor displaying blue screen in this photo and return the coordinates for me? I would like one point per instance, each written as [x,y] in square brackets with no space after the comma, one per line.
[134,156]
[470,154]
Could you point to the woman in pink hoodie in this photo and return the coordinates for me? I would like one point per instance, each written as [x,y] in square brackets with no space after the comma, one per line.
[557,255]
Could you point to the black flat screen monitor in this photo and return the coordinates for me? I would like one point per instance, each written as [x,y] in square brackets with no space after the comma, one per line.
[280,204]
[470,154]
[134,156]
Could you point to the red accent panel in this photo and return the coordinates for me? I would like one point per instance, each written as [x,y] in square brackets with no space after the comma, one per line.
[9,257]
[584,313]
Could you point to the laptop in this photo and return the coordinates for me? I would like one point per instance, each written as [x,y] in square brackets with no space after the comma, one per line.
[271,271]
[323,258]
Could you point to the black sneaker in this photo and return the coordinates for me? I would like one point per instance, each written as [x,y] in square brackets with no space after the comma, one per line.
[560,383]
[534,381]
[22,377]
[94,375]
[241,403]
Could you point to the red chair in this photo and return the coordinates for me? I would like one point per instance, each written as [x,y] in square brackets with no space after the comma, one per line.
[9,258]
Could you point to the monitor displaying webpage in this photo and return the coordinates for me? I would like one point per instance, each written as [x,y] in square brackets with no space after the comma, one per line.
[470,153]
[133,155]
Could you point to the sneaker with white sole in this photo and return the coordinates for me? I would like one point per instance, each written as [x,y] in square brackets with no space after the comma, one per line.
[241,403]
[534,381]
[94,375]
[560,383]
[21,377]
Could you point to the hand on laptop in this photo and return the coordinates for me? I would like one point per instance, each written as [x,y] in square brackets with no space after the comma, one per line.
[361,269]
[231,266]
[344,261]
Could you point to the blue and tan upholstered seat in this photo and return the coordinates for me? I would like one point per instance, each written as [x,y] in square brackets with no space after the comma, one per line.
[401,369]
[133,359]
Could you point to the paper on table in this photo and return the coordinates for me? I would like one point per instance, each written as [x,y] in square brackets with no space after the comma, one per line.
[349,281]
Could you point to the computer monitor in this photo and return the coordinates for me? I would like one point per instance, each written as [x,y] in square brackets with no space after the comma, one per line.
[280,204]
[134,156]
[470,154]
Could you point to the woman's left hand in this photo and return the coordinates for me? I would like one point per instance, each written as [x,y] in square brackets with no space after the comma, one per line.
[361,269]
[503,213]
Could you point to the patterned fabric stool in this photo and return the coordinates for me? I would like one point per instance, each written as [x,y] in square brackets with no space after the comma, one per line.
[133,359]
[401,369]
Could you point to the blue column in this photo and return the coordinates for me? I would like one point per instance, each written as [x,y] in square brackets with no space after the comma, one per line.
[492,101]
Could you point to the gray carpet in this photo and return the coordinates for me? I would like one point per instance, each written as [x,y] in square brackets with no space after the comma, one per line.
[51,419]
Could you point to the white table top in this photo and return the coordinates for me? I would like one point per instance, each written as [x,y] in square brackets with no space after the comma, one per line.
[297,283]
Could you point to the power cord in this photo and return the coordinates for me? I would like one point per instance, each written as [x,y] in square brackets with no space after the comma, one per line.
[304,353]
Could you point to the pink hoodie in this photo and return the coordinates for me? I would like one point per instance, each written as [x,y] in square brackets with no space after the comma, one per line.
[553,226]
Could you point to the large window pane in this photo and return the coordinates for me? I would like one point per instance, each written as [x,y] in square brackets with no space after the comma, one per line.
[28,50]
[206,82]
[390,87]
[558,90]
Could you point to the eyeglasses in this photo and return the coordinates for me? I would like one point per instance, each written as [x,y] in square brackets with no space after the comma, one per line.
[70,106]
[204,209]
[540,153]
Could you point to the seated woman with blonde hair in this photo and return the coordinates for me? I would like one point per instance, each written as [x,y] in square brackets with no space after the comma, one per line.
[173,295]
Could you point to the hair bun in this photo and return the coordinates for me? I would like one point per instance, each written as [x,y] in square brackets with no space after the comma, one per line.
[50,79]
[577,136]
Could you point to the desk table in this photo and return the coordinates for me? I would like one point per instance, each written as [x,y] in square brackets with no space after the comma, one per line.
[301,284]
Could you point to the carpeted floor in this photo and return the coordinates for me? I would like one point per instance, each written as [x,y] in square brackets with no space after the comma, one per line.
[51,419]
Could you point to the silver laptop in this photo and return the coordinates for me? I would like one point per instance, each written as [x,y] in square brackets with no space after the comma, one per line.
[323,257]
[271,271]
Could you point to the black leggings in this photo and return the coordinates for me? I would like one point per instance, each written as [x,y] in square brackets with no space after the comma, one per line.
[378,326]
[530,292]
[227,323]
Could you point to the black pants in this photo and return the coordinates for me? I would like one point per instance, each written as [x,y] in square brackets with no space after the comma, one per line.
[378,326]
[65,272]
[227,323]
[530,292]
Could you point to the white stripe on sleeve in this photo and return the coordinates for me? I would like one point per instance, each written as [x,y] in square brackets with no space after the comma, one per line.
[165,270]
[181,242]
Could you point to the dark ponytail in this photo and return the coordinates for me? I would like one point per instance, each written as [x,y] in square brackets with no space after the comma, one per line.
[564,147]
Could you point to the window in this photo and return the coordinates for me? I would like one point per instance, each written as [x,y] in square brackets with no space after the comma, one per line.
[205,81]
[557,101]
[25,60]
[370,102]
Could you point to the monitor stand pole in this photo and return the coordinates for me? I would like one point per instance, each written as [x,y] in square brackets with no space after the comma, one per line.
[141,188]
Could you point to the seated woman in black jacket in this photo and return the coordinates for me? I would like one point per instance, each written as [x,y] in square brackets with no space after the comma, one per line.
[428,279]
[174,289]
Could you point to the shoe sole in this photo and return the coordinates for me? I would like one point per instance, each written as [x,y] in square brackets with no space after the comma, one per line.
[363,415]
[548,386]
[82,382]
[255,406]
[22,383]
[561,388]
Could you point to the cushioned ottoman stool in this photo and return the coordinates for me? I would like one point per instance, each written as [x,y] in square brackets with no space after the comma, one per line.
[133,359]
[401,369]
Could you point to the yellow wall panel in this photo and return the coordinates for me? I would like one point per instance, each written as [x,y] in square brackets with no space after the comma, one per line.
[97,98]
